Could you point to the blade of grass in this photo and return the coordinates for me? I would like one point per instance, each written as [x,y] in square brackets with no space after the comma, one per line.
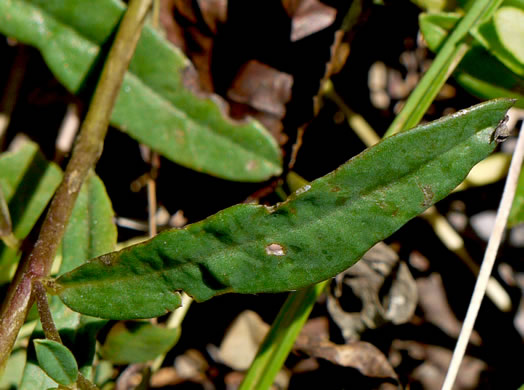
[85,155]
[278,342]
[447,59]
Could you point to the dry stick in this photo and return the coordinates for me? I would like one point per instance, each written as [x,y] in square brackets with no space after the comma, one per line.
[14,83]
[68,130]
[151,194]
[85,155]
[488,262]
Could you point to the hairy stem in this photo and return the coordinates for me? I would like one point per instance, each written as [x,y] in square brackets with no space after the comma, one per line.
[86,152]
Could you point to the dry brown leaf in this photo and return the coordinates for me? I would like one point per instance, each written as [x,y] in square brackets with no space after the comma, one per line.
[367,279]
[214,12]
[434,362]
[308,17]
[173,31]
[261,92]
[258,90]
[435,307]
[262,87]
[313,340]
[241,341]
[165,376]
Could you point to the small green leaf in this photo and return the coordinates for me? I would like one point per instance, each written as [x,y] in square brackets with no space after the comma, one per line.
[57,361]
[318,232]
[509,24]
[499,34]
[135,342]
[154,105]
[516,215]
[28,182]
[435,27]
[432,5]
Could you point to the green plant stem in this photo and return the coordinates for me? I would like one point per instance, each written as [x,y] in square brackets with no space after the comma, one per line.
[447,59]
[44,312]
[49,327]
[85,155]
[278,342]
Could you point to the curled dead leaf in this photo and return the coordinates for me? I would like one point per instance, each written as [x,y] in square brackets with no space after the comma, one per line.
[363,356]
[262,92]
[308,17]
[241,341]
[385,287]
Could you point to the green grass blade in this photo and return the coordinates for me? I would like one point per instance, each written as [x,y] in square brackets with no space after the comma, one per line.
[447,59]
[278,342]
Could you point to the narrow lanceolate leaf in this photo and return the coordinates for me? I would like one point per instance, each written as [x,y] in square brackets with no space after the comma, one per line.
[27,182]
[57,361]
[135,342]
[322,229]
[154,105]
[90,232]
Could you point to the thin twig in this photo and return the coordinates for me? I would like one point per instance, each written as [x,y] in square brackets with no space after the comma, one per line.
[10,96]
[68,130]
[151,193]
[85,155]
[488,262]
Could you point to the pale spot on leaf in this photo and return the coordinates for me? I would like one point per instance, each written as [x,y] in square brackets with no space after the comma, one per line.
[275,250]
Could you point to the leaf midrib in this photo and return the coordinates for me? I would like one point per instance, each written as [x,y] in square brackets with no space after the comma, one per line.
[238,246]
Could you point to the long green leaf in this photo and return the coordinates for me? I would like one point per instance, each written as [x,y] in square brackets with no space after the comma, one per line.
[318,232]
[28,182]
[154,106]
